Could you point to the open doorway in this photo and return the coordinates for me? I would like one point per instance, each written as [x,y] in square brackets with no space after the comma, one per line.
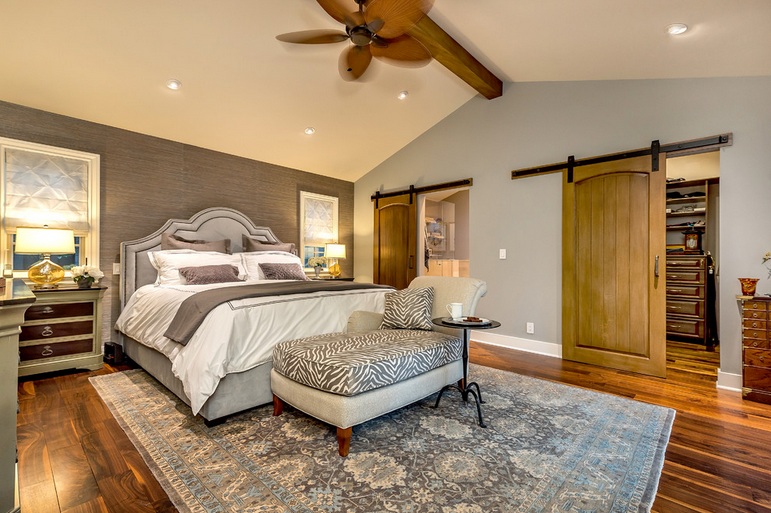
[693,260]
[443,233]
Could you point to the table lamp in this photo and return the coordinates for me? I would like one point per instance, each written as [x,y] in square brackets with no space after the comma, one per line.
[45,241]
[334,252]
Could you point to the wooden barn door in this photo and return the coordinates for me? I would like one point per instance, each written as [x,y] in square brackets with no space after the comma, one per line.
[614,251]
[395,249]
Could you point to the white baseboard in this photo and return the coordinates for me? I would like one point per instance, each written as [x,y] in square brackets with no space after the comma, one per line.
[521,344]
[728,381]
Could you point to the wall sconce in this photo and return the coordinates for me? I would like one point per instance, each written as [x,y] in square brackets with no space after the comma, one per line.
[334,251]
[45,241]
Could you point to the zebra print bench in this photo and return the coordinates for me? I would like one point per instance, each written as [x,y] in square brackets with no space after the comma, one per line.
[345,379]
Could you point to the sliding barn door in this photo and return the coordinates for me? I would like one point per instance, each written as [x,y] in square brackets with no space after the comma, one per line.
[614,250]
[395,240]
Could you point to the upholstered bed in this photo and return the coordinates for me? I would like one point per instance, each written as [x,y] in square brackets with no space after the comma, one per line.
[279,318]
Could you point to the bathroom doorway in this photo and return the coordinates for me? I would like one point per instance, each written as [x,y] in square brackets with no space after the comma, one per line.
[443,233]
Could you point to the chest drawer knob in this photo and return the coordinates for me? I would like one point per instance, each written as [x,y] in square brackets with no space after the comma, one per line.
[47,351]
[762,359]
[754,344]
[755,315]
[754,324]
[47,331]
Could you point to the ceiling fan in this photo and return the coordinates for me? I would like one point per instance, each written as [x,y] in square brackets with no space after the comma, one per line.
[377,29]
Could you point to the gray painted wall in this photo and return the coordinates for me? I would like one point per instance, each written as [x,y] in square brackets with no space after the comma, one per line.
[146,181]
[540,123]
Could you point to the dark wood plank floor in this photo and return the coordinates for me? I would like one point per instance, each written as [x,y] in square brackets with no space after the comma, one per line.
[73,456]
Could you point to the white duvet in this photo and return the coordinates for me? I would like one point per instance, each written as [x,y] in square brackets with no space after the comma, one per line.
[238,335]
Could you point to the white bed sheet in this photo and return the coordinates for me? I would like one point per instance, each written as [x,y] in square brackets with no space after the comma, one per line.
[238,335]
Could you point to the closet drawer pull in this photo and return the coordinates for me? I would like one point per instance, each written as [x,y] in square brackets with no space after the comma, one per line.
[47,351]
[47,331]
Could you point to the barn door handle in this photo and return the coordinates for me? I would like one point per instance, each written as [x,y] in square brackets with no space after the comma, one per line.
[656,267]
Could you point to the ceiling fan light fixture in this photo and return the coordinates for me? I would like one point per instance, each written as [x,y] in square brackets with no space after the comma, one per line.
[675,29]
[310,130]
[174,84]
[403,95]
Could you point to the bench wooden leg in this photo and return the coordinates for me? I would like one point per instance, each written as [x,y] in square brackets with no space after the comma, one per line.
[344,440]
[278,406]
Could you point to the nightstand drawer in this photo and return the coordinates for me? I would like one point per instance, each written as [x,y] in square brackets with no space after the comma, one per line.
[39,312]
[51,330]
[686,291]
[686,276]
[27,353]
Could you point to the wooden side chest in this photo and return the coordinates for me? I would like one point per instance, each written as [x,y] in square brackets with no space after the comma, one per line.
[62,330]
[756,348]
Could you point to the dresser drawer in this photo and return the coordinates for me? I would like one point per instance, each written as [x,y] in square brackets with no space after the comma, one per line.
[52,311]
[757,357]
[758,378]
[682,307]
[51,330]
[755,306]
[755,324]
[756,314]
[685,327]
[685,263]
[686,276]
[70,347]
[762,343]
[686,291]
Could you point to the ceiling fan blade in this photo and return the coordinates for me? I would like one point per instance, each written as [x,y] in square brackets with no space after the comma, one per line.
[313,37]
[403,51]
[354,62]
[397,16]
[336,8]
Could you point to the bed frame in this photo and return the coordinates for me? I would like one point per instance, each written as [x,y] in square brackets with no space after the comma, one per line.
[236,392]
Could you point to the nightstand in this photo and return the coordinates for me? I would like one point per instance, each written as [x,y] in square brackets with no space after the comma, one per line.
[62,330]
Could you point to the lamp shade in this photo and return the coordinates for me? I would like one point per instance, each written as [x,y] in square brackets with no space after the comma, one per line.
[335,251]
[36,241]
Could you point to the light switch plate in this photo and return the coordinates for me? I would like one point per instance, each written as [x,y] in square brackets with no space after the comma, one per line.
[115,268]
[502,254]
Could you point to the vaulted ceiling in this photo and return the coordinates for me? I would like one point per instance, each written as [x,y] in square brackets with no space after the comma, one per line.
[245,93]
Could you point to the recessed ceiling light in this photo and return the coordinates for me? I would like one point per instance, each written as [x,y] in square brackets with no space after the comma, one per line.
[403,95]
[676,29]
[310,130]
[173,84]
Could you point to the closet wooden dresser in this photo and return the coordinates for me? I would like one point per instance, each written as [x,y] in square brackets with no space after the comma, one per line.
[756,348]
[689,303]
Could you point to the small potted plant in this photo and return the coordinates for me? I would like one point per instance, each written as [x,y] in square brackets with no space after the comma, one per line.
[317,263]
[86,275]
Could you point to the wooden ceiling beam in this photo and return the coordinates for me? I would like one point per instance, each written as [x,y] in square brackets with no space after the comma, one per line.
[457,59]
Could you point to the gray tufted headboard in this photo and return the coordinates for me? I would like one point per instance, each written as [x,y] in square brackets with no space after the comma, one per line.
[209,224]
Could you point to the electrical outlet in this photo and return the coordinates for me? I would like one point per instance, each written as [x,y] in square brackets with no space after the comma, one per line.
[530,328]
[502,254]
[115,268]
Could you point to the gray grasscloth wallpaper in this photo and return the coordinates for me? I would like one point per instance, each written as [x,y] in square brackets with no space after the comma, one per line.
[146,180]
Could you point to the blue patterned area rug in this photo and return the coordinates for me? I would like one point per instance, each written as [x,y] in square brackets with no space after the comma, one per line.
[548,447]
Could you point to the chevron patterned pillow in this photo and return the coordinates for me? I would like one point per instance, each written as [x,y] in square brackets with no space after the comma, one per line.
[408,309]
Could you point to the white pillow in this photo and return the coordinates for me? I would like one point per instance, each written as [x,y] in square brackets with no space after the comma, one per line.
[168,263]
[251,262]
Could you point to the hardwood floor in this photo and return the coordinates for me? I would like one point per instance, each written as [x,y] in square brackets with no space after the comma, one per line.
[74,457]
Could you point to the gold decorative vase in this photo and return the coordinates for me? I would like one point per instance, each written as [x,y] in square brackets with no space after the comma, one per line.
[748,286]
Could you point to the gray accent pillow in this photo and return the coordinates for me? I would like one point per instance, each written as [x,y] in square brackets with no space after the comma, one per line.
[206,274]
[250,245]
[408,309]
[283,272]
[170,241]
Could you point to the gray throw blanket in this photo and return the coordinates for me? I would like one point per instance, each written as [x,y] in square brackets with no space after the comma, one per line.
[194,309]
